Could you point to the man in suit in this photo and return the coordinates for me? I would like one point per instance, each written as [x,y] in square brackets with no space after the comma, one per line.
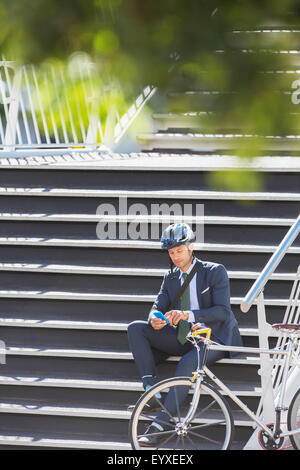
[205,300]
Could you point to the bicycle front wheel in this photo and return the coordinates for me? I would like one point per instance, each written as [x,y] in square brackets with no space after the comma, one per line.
[211,427]
[294,419]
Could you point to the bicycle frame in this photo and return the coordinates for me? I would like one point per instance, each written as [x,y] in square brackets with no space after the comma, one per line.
[204,370]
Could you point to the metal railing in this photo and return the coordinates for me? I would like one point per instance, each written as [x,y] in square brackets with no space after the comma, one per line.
[129,117]
[26,121]
[270,371]
[270,267]
[36,113]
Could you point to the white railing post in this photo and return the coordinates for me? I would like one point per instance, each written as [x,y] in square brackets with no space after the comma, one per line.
[92,130]
[12,112]
[265,362]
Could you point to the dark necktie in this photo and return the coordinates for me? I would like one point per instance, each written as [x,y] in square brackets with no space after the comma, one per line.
[185,298]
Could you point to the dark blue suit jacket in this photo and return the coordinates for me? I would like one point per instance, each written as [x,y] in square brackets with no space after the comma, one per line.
[213,297]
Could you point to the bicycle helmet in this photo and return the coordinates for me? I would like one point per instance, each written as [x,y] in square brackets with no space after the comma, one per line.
[176,235]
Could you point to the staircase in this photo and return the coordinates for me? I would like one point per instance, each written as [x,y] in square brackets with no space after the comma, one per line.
[67,296]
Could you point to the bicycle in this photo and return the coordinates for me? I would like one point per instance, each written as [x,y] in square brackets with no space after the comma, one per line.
[204,420]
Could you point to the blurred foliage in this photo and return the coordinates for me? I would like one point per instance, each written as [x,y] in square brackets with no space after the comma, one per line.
[171,44]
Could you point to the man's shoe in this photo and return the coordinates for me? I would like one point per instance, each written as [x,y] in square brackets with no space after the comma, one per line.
[150,438]
[150,407]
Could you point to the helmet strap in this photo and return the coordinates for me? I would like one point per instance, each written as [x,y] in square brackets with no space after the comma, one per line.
[171,268]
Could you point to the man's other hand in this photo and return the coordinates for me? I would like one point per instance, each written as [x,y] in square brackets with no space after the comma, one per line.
[175,315]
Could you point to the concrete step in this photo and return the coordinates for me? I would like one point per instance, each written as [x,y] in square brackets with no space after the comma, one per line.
[211,122]
[73,310]
[87,364]
[17,440]
[219,101]
[155,218]
[265,36]
[241,389]
[25,432]
[127,272]
[122,271]
[82,325]
[68,205]
[59,295]
[214,142]
[248,230]
[61,400]
[147,219]
[276,79]
[103,354]
[141,285]
[96,429]
[41,409]
[82,335]
[136,254]
[188,172]
[78,363]
[24,332]
[97,174]
[152,194]
[281,56]
[84,398]
[139,244]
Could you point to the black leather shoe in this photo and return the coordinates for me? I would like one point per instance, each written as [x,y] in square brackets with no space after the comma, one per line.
[150,407]
[150,439]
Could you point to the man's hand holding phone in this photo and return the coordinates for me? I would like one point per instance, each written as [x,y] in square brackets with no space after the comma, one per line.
[159,320]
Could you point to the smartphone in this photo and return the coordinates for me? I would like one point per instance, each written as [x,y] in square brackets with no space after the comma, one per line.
[161,315]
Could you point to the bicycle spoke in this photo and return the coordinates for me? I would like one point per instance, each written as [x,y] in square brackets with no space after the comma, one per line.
[152,418]
[177,405]
[166,440]
[205,409]
[206,438]
[158,433]
[207,425]
[189,438]
[165,409]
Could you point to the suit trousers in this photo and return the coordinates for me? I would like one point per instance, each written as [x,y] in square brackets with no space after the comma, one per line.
[151,347]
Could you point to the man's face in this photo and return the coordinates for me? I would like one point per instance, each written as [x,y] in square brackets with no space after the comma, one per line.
[182,256]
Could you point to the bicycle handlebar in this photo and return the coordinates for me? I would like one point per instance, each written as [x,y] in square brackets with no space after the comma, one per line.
[200,331]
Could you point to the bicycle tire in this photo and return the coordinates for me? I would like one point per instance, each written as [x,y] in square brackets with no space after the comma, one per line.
[214,419]
[293,419]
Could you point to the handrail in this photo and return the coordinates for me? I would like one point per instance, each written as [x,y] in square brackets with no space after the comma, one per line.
[270,267]
[129,117]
